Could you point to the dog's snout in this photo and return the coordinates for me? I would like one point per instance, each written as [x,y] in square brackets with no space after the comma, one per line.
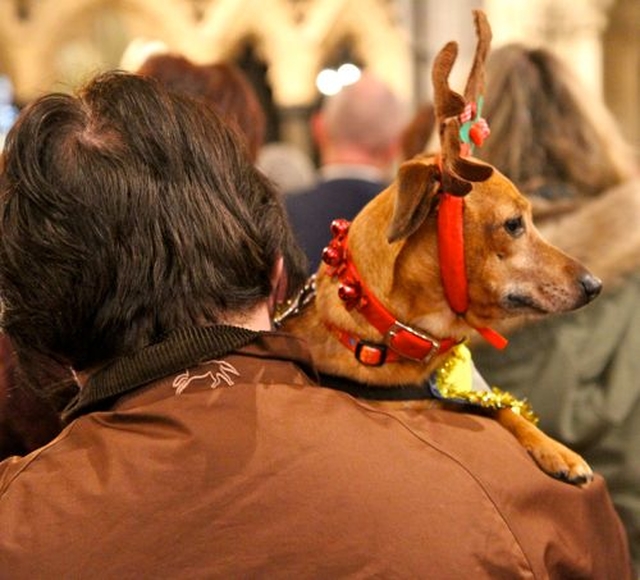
[591,286]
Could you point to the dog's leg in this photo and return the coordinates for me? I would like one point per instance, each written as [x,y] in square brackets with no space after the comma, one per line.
[552,457]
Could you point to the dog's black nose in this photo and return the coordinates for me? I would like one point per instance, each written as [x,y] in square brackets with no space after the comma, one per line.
[591,286]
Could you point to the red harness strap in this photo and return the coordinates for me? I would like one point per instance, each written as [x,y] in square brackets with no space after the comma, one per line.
[451,251]
[452,263]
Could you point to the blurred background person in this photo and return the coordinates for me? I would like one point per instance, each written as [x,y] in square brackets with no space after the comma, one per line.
[287,166]
[357,132]
[419,131]
[580,371]
[222,84]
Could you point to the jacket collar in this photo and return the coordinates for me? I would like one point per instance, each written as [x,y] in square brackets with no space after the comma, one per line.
[181,349]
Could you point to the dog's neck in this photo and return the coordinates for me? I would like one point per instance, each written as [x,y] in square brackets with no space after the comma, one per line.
[328,326]
[383,271]
[399,340]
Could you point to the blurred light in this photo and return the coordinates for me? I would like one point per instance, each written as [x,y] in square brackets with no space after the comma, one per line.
[348,73]
[330,81]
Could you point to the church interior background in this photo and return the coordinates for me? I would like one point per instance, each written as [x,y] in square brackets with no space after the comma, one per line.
[283,44]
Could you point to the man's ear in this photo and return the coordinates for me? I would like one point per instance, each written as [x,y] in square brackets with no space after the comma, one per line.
[278,285]
[318,128]
[418,183]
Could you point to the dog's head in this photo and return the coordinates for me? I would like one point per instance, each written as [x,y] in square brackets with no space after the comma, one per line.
[510,269]
[497,265]
[461,248]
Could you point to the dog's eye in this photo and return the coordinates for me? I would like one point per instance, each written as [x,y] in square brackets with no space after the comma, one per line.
[514,226]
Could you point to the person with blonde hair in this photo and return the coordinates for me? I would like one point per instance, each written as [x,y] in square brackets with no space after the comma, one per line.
[580,371]
[548,134]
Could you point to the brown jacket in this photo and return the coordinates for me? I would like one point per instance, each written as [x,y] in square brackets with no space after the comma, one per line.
[241,467]
[27,420]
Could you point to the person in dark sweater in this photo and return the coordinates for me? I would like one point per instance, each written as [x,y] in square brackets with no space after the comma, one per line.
[357,133]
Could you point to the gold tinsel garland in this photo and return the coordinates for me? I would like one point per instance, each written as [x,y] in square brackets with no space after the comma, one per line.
[454,381]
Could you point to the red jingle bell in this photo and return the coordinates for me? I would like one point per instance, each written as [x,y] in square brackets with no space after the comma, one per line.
[350,293]
[332,256]
[339,227]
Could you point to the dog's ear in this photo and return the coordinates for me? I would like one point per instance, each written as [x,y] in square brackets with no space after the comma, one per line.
[418,184]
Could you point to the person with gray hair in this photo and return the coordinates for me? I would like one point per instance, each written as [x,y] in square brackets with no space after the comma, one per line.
[357,132]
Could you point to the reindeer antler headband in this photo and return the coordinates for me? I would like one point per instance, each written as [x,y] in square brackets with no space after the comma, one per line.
[458,117]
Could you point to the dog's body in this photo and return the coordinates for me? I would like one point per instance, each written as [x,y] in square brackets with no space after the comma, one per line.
[511,271]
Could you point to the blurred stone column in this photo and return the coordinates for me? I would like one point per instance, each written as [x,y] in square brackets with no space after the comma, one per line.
[621,74]
[571,29]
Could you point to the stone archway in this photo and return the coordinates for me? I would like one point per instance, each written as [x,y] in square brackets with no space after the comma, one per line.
[293,37]
[39,39]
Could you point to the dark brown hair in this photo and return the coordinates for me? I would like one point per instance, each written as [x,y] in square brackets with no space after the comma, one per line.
[221,84]
[126,212]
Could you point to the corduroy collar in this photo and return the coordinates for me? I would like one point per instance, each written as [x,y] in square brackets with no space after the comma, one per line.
[181,349]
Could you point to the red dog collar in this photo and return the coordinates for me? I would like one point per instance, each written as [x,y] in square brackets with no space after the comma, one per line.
[404,341]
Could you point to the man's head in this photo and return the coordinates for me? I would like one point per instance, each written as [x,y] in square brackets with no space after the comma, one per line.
[125,213]
[361,124]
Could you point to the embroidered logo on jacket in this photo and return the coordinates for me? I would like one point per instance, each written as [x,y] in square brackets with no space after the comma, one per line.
[223,374]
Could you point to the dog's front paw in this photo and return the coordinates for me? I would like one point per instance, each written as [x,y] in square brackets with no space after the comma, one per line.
[560,462]
[551,456]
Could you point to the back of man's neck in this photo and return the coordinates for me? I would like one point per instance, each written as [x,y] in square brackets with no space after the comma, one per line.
[351,171]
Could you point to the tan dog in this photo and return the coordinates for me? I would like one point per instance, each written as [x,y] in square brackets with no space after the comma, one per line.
[381,315]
